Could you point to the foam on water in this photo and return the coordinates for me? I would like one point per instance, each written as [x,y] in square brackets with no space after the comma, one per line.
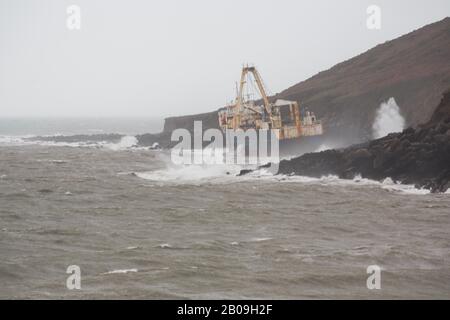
[194,174]
[259,239]
[212,173]
[13,140]
[323,235]
[323,147]
[388,119]
[25,140]
[186,174]
[387,184]
[126,142]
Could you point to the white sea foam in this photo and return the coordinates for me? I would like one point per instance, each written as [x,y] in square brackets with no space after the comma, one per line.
[387,184]
[124,143]
[58,161]
[219,174]
[25,140]
[260,239]
[11,140]
[323,147]
[216,173]
[403,188]
[121,271]
[191,173]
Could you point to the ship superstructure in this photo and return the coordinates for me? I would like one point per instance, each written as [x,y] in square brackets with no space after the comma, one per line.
[286,116]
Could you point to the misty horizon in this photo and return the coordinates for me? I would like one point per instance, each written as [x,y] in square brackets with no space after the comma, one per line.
[129,60]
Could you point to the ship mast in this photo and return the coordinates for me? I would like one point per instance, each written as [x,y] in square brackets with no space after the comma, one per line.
[240,101]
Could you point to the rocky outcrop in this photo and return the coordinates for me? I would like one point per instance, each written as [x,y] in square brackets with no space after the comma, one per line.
[419,156]
[108,137]
[209,120]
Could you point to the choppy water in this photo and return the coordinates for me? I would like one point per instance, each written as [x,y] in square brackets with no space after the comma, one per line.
[141,228]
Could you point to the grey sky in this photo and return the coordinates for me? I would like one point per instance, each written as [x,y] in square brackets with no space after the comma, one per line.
[160,58]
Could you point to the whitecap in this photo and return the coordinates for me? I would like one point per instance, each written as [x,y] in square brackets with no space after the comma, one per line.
[124,143]
[121,271]
[260,239]
[225,173]
[12,140]
[191,173]
[58,161]
[387,184]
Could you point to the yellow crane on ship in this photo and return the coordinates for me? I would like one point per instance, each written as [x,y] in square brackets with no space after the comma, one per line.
[282,114]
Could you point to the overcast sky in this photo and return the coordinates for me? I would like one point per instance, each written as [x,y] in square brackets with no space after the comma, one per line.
[160,58]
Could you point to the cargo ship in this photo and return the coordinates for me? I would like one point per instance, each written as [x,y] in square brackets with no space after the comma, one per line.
[297,129]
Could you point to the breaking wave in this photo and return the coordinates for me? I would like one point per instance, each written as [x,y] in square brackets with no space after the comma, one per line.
[121,271]
[125,142]
[388,119]
[216,173]
[222,174]
[191,173]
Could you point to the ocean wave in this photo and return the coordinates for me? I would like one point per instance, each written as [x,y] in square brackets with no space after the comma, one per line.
[121,271]
[14,140]
[259,239]
[125,142]
[194,174]
[191,173]
[387,184]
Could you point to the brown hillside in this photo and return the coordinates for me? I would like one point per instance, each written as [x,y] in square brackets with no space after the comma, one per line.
[414,69]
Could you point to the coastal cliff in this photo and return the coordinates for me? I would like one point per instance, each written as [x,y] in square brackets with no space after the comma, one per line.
[209,120]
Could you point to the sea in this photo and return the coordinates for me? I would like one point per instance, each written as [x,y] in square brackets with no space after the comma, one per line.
[133,225]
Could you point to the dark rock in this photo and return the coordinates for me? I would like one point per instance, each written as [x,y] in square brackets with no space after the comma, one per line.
[415,156]
[361,154]
[244,172]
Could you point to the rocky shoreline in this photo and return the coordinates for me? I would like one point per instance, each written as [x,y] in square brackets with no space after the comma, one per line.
[419,156]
